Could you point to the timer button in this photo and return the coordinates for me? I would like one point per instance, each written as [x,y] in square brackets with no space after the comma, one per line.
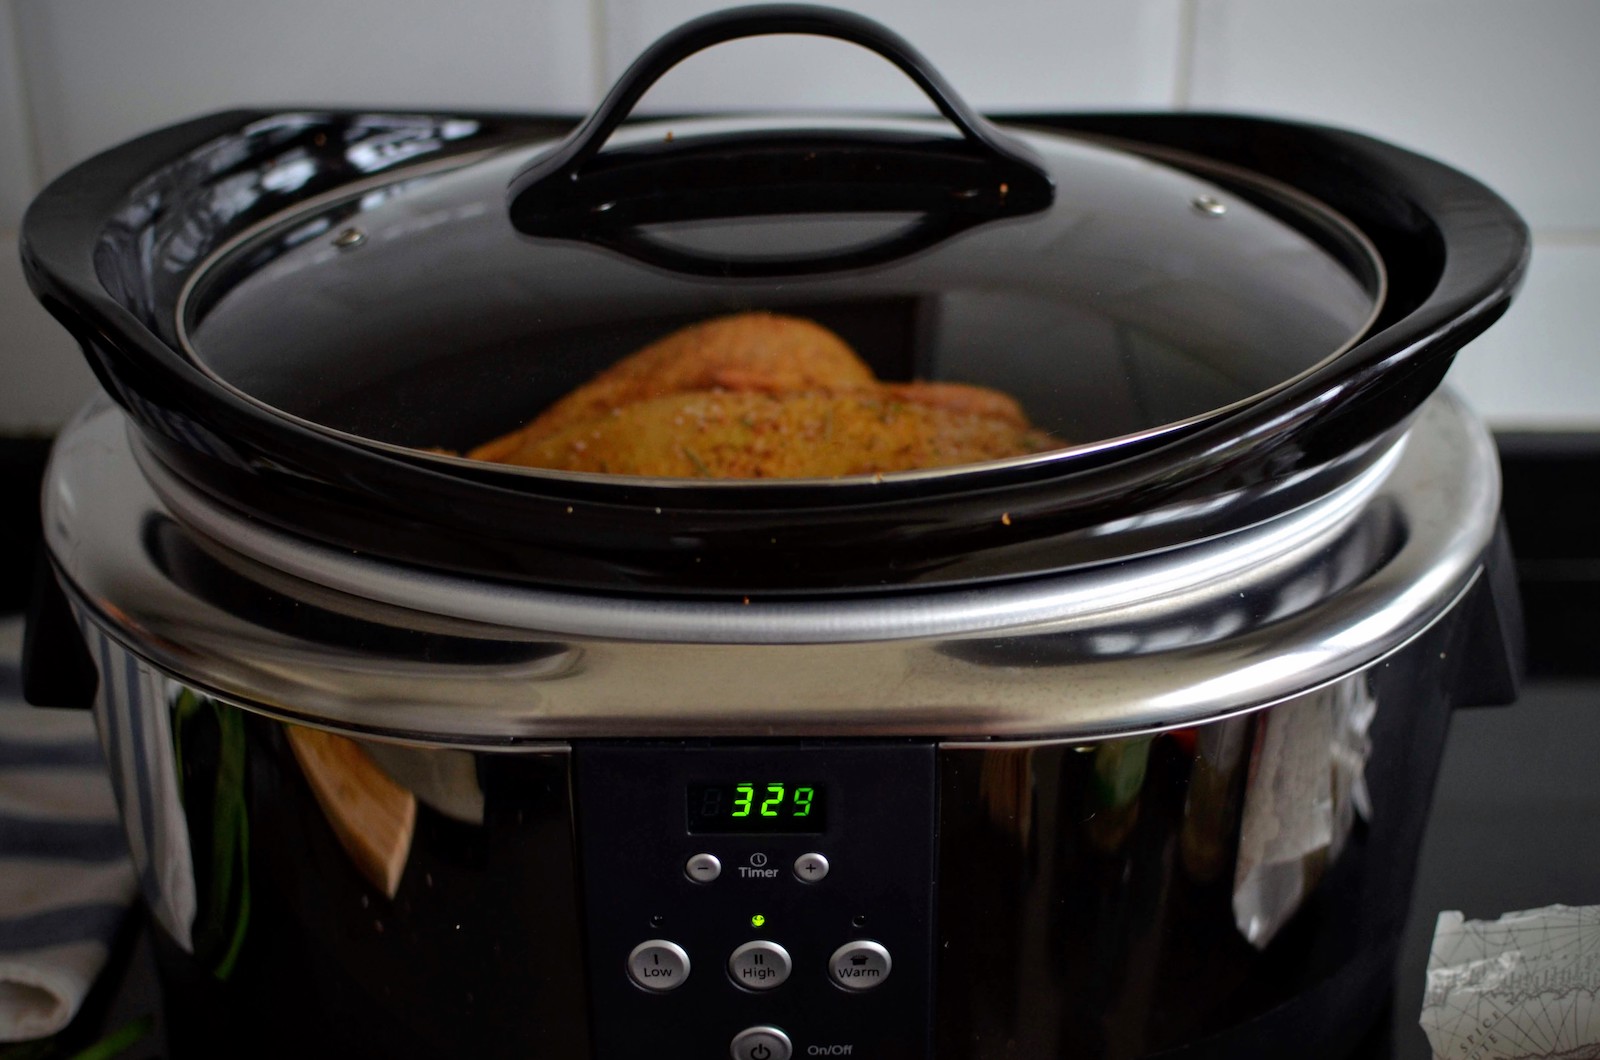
[759,965]
[703,868]
[761,1043]
[658,965]
[859,965]
[809,868]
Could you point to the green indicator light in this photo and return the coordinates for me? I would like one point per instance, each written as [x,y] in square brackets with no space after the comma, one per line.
[758,920]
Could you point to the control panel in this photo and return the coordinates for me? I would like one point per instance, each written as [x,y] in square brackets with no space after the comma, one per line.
[758,901]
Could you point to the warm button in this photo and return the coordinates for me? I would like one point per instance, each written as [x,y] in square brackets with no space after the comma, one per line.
[658,965]
[859,965]
[761,1043]
[759,965]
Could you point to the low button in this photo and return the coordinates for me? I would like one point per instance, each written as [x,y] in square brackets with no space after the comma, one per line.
[702,868]
[809,868]
[658,965]
[759,965]
[859,965]
[761,1043]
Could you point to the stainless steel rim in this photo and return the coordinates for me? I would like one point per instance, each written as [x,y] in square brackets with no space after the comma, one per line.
[1235,628]
[1073,597]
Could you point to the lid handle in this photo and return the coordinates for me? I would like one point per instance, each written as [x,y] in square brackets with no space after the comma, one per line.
[574,191]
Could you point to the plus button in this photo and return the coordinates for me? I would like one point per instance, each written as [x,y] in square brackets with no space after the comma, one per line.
[810,868]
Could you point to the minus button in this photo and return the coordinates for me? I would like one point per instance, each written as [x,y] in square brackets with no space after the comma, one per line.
[703,868]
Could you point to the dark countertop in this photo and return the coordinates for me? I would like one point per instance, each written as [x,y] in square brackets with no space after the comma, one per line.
[1515,824]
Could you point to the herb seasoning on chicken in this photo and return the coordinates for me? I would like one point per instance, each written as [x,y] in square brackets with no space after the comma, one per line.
[758,395]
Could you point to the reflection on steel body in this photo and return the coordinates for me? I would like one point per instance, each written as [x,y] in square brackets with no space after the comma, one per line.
[1159,641]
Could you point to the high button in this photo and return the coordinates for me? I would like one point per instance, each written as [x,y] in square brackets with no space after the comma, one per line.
[759,965]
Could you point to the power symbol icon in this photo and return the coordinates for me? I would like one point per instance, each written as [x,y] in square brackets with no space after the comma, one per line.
[762,1043]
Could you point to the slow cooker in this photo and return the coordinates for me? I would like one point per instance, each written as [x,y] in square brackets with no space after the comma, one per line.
[1122,749]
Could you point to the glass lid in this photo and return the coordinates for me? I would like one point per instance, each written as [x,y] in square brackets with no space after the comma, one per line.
[1030,295]
[1143,297]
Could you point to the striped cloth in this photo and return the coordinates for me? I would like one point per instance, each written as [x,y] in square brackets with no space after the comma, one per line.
[134,706]
[65,878]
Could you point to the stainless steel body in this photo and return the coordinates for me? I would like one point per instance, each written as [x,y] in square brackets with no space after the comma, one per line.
[1230,624]
[1175,799]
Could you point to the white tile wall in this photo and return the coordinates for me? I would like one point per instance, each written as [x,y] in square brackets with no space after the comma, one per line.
[102,70]
[16,159]
[1507,90]
[43,378]
[1017,54]
[1510,92]
[1539,367]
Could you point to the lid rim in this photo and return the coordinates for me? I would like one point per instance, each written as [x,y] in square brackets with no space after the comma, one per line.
[1447,225]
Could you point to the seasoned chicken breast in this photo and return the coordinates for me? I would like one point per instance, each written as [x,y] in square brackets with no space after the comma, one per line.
[763,352]
[731,434]
[759,395]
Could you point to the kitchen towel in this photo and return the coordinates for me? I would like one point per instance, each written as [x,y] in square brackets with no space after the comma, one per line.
[65,878]
[1522,987]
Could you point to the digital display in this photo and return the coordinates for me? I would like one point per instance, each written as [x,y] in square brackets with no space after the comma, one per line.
[757,807]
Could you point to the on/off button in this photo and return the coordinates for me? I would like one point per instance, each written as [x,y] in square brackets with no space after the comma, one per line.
[761,1043]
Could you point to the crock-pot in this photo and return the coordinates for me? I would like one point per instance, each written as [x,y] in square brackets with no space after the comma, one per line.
[1122,749]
